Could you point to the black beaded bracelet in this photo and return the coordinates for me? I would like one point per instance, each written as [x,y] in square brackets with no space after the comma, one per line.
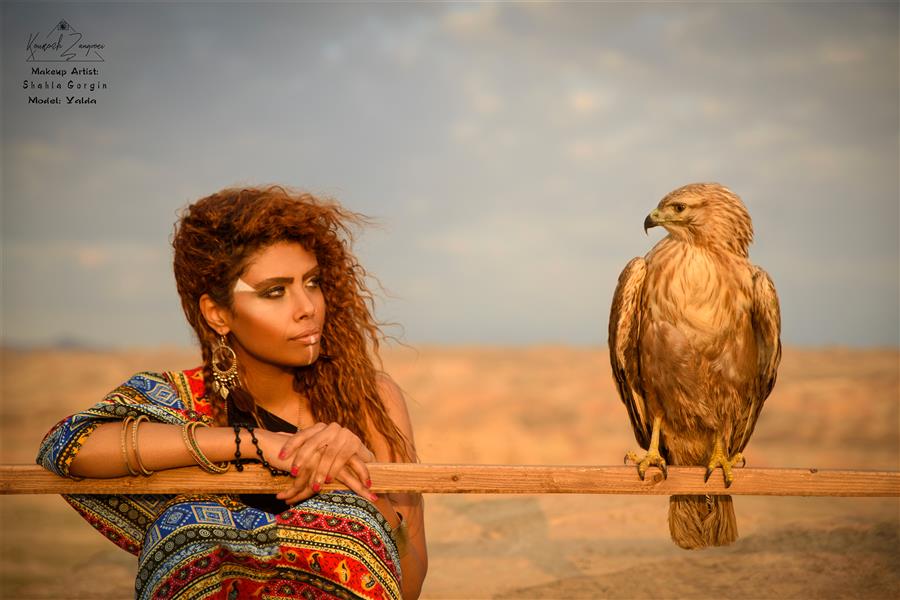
[238,464]
[275,472]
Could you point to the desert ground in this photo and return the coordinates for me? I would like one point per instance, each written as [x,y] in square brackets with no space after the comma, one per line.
[831,408]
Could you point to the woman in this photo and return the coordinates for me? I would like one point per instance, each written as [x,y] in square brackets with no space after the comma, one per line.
[280,307]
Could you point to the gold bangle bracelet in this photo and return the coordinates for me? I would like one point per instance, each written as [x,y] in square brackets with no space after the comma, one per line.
[125,425]
[193,448]
[134,445]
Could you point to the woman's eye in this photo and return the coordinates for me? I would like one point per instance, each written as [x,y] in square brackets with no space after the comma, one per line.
[313,282]
[273,292]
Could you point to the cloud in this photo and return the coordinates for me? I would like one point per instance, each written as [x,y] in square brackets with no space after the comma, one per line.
[91,257]
[589,102]
[92,291]
[488,137]
[75,176]
[471,18]
[125,270]
[842,54]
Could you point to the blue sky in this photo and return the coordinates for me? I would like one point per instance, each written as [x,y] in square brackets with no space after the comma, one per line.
[509,152]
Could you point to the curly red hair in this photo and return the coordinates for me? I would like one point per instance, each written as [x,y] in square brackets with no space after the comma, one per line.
[215,237]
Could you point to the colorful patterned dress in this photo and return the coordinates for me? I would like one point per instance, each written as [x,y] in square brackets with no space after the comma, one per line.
[333,545]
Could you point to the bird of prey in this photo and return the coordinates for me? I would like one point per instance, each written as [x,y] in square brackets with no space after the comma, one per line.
[694,342]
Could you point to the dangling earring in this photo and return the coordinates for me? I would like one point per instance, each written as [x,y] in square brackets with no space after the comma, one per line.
[224,368]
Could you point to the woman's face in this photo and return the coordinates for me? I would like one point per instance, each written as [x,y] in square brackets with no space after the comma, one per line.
[278,311]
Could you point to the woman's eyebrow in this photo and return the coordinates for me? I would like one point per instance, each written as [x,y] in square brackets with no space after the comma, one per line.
[272,281]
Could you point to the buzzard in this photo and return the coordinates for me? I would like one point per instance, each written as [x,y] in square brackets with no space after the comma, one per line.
[694,342]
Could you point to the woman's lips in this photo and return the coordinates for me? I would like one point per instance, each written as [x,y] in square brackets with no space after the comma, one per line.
[307,339]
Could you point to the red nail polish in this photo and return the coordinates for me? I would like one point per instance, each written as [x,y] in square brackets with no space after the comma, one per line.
[368,483]
[328,479]
[282,454]
[374,497]
[316,487]
[294,471]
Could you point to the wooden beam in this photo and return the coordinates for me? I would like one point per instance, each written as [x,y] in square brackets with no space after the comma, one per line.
[480,479]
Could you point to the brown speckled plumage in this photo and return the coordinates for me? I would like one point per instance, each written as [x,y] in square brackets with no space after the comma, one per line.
[694,342]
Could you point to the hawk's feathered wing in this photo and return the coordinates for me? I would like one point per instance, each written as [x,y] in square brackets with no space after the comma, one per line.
[765,316]
[624,335]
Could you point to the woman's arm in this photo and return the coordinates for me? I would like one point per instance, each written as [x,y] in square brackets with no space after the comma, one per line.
[162,446]
[414,561]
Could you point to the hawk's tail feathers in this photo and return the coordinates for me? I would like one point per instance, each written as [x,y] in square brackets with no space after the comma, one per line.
[701,521]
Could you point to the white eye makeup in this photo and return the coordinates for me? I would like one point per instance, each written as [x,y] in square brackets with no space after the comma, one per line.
[242,286]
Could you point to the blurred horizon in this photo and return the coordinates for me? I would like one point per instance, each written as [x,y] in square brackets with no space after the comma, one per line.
[81,346]
[508,153]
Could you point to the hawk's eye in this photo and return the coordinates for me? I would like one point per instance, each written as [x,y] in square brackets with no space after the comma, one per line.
[680,207]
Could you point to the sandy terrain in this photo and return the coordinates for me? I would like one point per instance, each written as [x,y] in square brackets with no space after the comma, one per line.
[832,408]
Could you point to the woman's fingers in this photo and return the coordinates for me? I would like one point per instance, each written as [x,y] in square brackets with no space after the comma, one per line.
[305,462]
[303,466]
[293,496]
[299,439]
[358,469]
[346,451]
[334,456]
[351,471]
[349,477]
[299,489]
[323,453]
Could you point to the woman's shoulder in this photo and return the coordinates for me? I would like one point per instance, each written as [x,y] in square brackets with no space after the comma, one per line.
[390,392]
[395,406]
[176,390]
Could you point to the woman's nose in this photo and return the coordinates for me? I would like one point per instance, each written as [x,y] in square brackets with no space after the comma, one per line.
[305,307]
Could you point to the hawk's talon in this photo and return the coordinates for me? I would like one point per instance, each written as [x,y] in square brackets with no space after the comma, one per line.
[652,458]
[718,459]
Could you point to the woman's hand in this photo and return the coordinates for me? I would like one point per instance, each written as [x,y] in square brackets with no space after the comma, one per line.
[320,454]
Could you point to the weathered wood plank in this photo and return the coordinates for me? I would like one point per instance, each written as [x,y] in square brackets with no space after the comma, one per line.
[480,479]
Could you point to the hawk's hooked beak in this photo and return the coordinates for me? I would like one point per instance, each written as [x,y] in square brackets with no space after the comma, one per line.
[651,220]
